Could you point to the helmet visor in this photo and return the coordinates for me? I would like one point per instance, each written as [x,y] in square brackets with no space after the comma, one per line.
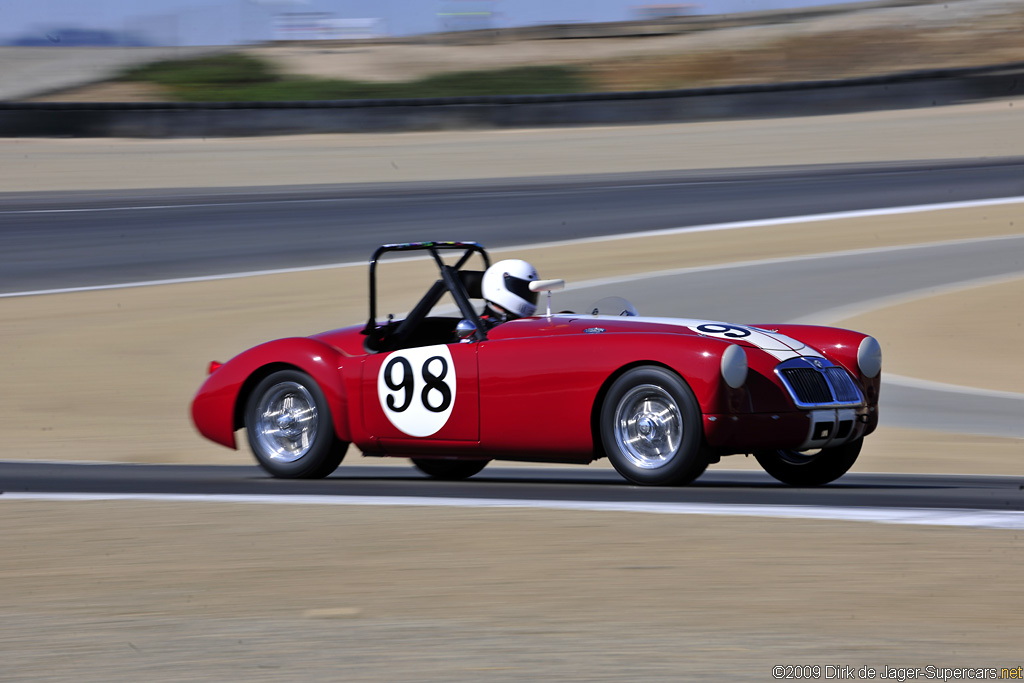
[520,288]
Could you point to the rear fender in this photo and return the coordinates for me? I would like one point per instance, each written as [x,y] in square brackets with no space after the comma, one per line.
[219,406]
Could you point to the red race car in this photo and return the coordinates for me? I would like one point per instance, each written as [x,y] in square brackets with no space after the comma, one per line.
[660,397]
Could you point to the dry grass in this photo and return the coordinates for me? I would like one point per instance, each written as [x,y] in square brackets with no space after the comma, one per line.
[818,56]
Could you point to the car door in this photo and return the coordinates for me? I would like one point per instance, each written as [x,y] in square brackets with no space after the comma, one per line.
[423,399]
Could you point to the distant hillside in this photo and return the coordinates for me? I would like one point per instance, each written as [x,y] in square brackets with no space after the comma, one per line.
[682,52]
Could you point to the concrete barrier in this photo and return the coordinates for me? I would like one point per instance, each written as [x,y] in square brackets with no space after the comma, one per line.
[225,119]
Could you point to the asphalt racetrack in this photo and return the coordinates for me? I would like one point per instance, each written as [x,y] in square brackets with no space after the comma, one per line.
[526,484]
[77,239]
[80,240]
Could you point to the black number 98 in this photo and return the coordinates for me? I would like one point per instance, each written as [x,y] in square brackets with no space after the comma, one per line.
[406,383]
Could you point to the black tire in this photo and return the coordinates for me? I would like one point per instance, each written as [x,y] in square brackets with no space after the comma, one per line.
[449,469]
[802,469]
[291,433]
[651,428]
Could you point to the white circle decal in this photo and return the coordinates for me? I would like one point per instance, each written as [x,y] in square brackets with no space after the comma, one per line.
[721,330]
[416,388]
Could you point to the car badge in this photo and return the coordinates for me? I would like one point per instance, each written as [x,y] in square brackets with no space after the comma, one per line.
[593,330]
[818,364]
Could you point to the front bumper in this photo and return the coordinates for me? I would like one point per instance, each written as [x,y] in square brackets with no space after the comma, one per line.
[797,430]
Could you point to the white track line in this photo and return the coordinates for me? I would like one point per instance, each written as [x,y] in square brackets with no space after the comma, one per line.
[714,227]
[672,272]
[928,385]
[981,519]
[829,316]
[178,280]
[202,278]
[789,220]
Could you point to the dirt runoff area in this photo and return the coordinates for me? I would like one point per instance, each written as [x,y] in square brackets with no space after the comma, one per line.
[971,131]
[135,590]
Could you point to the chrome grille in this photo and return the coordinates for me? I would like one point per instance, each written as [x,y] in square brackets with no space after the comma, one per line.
[816,382]
[808,385]
[842,385]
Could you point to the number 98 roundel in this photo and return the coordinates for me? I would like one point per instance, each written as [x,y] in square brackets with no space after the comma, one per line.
[416,388]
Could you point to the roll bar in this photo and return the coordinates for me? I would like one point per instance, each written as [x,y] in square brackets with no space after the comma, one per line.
[448,276]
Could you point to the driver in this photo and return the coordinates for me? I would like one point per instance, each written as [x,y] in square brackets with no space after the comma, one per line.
[506,289]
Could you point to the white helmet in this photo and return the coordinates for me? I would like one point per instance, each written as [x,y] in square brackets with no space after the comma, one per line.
[507,284]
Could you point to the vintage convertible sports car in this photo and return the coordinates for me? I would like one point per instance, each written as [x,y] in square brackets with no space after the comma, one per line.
[660,397]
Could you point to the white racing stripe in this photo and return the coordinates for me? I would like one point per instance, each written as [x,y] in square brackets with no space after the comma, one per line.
[980,519]
[778,345]
[714,227]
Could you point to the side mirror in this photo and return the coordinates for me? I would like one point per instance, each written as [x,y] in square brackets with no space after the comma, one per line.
[547,286]
[465,329]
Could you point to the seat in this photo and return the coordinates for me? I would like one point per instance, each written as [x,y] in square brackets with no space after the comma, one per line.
[472,280]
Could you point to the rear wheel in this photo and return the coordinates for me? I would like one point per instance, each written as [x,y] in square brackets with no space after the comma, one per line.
[798,468]
[651,428]
[449,469]
[291,433]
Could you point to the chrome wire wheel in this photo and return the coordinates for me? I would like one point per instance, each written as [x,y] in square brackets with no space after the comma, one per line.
[290,428]
[287,422]
[649,426]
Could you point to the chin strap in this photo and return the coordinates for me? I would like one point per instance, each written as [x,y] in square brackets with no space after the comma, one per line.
[496,313]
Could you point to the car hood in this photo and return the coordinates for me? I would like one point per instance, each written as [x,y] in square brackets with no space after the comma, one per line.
[781,346]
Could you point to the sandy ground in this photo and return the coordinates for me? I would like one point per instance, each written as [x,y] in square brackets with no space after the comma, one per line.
[137,591]
[154,591]
[949,326]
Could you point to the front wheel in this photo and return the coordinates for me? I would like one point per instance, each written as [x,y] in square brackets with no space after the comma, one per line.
[797,468]
[288,422]
[449,469]
[651,428]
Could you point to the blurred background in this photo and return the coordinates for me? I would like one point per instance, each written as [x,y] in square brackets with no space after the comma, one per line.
[231,22]
[273,50]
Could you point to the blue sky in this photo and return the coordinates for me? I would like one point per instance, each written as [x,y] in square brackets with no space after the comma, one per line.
[218,22]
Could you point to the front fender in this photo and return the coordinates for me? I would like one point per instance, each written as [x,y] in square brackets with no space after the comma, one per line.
[547,405]
[842,346]
[217,409]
